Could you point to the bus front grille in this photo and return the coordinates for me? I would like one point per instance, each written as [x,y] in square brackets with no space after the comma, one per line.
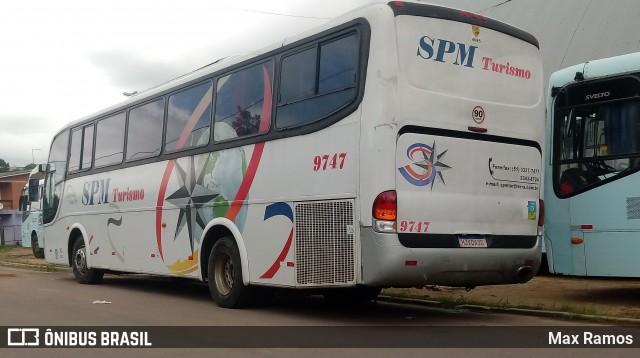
[325,243]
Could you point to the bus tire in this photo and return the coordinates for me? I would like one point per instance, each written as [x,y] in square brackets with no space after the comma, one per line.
[544,266]
[38,252]
[81,271]
[225,275]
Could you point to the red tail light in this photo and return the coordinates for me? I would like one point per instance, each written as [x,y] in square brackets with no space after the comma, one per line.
[385,206]
[541,213]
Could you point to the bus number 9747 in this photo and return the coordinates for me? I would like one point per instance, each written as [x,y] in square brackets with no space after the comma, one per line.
[335,161]
[414,226]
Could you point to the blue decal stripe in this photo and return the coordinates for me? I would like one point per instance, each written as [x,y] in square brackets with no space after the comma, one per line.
[276,209]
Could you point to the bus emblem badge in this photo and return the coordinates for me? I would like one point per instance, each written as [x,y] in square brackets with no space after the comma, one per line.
[425,166]
[476,30]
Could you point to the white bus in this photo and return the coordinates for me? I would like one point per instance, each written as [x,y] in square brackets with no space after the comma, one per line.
[397,145]
[31,208]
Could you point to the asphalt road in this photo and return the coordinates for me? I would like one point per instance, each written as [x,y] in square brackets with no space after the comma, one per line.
[41,299]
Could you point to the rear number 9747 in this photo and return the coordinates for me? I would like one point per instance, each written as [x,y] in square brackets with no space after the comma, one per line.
[414,226]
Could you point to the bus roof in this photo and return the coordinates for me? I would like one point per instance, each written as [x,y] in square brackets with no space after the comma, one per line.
[610,66]
[228,63]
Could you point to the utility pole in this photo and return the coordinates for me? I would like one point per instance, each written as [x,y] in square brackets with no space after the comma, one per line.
[33,160]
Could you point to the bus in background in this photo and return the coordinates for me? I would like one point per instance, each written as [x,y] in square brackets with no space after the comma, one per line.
[31,208]
[397,145]
[592,194]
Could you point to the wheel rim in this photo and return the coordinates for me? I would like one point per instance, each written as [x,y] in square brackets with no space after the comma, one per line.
[224,274]
[80,261]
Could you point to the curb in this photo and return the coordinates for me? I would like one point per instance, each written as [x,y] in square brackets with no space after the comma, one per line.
[518,311]
[37,267]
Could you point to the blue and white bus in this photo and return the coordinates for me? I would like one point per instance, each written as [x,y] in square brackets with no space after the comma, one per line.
[396,145]
[31,208]
[592,190]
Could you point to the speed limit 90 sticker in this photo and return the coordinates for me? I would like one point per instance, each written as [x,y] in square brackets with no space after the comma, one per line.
[478,114]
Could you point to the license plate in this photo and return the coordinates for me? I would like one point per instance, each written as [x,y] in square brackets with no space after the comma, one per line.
[472,241]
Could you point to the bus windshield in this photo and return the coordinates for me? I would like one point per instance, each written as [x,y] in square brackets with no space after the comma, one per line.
[595,143]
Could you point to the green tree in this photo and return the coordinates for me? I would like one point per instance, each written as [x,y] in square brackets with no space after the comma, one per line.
[4,166]
[30,166]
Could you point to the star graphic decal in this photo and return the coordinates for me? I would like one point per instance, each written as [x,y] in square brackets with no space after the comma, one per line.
[437,165]
[190,198]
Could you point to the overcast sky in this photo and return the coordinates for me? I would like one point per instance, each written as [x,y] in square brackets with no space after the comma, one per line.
[61,60]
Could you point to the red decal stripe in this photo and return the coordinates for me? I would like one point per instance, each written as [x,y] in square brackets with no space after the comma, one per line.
[266,108]
[243,191]
[416,175]
[276,265]
[195,117]
[160,204]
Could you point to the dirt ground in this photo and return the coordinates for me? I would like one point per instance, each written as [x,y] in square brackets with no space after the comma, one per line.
[589,296]
[599,297]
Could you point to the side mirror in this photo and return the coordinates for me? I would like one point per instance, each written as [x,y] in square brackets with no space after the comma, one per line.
[22,204]
[43,169]
[33,190]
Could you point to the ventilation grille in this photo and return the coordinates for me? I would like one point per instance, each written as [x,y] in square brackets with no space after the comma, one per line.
[633,208]
[325,243]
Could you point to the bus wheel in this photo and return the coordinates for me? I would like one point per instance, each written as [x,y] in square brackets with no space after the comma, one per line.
[225,275]
[544,266]
[353,295]
[38,252]
[81,271]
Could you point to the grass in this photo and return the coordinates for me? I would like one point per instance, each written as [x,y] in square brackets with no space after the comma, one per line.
[582,310]
[26,258]
[7,248]
[454,298]
[451,301]
[50,268]
[634,315]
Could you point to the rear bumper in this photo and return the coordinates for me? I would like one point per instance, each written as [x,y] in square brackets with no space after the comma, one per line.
[387,263]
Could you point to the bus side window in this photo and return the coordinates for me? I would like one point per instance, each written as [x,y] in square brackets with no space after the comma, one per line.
[189,118]
[81,148]
[110,140]
[313,87]
[144,135]
[240,98]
